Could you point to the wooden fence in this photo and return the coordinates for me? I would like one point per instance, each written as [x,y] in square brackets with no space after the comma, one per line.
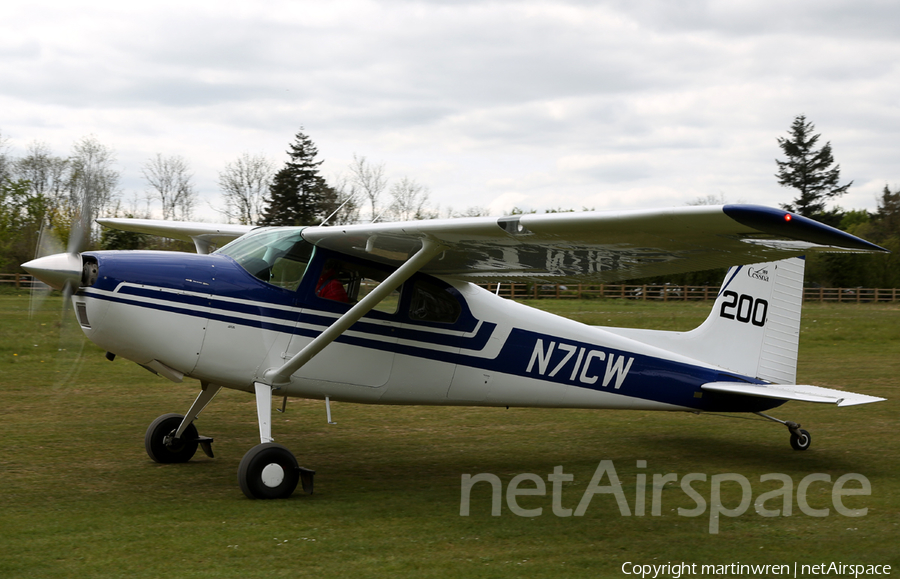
[17,280]
[663,293]
[676,293]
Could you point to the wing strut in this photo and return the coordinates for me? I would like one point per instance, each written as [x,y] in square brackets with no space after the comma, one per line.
[429,250]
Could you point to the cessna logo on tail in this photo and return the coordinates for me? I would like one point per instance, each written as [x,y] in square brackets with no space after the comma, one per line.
[762,273]
[583,365]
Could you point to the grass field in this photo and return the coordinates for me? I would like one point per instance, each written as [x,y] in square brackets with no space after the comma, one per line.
[80,497]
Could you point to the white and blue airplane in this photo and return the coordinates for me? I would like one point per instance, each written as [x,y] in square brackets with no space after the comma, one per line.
[390,314]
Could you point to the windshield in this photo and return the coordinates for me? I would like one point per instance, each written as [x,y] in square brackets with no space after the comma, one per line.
[276,255]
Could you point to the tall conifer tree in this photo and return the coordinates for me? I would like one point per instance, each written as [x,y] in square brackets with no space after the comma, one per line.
[808,170]
[298,195]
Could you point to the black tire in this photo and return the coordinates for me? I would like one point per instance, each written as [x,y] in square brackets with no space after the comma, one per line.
[182,450]
[268,471]
[801,442]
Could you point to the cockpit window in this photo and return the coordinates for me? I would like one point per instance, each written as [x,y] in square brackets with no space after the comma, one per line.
[275,255]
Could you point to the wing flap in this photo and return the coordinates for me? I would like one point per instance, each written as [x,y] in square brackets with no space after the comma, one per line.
[800,392]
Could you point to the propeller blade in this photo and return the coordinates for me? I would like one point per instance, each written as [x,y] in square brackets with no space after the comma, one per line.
[79,236]
[48,244]
[69,357]
[39,293]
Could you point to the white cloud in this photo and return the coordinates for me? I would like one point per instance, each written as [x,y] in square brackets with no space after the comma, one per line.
[535,104]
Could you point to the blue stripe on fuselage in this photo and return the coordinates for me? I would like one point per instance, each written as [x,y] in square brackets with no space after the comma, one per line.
[588,365]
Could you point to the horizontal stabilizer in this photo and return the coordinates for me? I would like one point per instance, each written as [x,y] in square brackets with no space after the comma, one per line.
[801,392]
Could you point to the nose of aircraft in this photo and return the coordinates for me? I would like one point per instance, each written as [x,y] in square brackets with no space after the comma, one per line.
[56,270]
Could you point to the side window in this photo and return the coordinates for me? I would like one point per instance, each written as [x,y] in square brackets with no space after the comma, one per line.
[431,303]
[349,282]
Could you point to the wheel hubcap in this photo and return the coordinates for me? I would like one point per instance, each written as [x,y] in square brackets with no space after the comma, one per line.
[172,443]
[272,475]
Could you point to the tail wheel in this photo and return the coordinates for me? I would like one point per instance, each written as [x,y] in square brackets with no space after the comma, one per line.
[178,450]
[801,441]
[268,471]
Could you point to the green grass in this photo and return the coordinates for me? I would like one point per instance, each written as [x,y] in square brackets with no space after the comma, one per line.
[80,497]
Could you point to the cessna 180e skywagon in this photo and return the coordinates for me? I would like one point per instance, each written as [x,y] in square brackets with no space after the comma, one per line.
[389,314]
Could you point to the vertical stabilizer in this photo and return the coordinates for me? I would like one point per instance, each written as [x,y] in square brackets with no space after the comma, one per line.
[754,326]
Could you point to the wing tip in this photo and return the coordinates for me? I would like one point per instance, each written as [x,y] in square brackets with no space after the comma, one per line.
[787,224]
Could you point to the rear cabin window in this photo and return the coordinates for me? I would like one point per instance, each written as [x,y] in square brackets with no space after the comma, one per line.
[431,303]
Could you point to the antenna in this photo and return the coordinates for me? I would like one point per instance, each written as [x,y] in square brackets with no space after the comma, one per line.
[335,211]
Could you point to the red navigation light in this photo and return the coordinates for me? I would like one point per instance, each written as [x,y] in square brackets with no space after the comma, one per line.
[787,216]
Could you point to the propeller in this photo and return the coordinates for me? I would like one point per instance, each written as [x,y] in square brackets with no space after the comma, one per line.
[62,270]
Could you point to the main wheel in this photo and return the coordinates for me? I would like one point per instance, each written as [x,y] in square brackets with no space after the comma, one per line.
[179,450]
[268,471]
[801,442]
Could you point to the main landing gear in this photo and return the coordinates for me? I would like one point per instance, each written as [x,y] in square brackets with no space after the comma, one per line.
[267,471]
[270,471]
[800,439]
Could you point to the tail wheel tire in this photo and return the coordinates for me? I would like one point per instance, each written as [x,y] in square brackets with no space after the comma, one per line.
[180,450]
[801,442]
[268,471]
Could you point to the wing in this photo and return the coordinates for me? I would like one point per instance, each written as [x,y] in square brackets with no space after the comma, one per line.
[203,235]
[594,247]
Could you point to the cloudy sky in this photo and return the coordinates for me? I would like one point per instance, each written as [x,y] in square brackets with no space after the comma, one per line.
[603,104]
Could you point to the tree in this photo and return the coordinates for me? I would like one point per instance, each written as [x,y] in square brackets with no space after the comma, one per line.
[46,173]
[410,201]
[709,199]
[170,183]
[245,183]
[369,180]
[888,215]
[42,190]
[298,194]
[5,161]
[92,184]
[471,211]
[21,214]
[113,238]
[808,170]
[886,231]
[342,203]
